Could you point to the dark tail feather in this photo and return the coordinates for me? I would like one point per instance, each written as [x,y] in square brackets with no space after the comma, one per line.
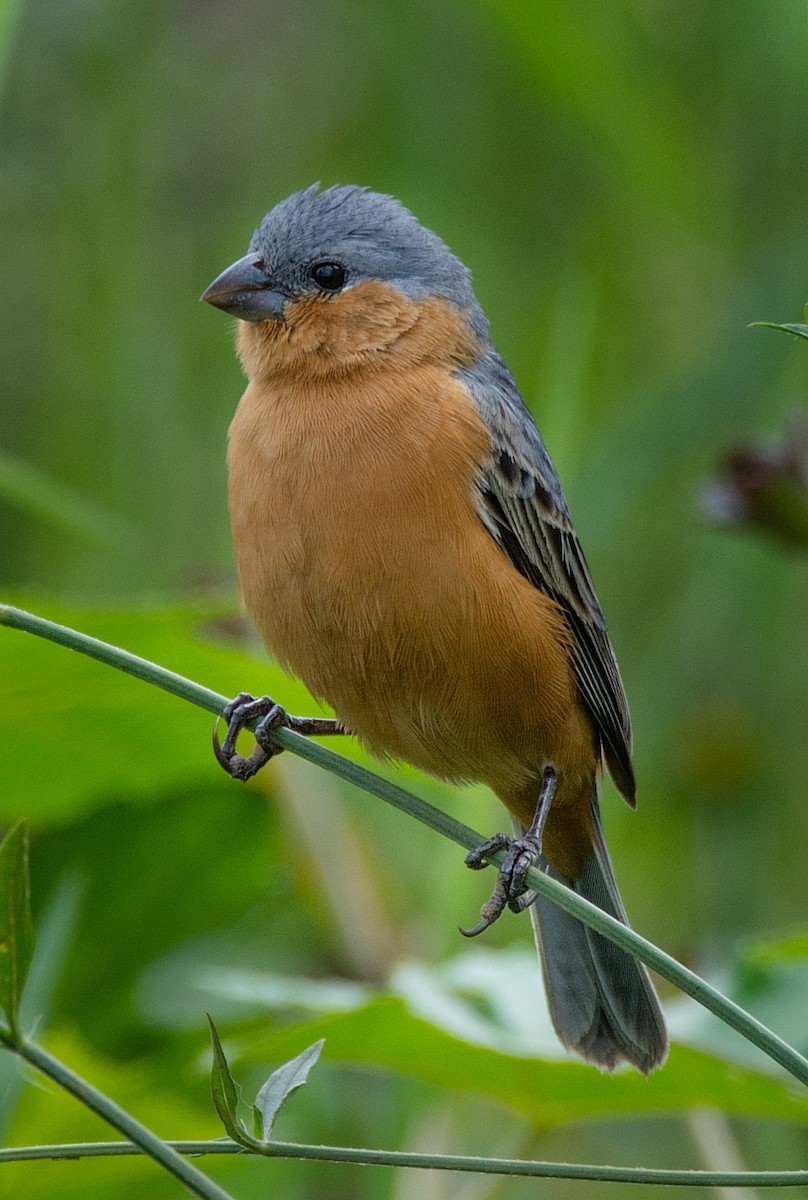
[601,999]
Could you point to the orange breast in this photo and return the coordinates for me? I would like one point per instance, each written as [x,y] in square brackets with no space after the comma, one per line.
[363,562]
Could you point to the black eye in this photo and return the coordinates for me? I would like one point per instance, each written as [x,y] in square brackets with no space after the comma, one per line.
[329,276]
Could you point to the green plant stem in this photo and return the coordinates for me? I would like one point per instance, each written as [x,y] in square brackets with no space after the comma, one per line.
[145,1141]
[690,983]
[439,1162]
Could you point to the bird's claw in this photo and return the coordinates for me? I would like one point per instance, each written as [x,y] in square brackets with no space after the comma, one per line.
[242,713]
[510,890]
[521,854]
[239,714]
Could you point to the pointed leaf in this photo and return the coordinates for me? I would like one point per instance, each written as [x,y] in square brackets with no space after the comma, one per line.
[282,1083]
[386,1033]
[225,1091]
[16,927]
[797,330]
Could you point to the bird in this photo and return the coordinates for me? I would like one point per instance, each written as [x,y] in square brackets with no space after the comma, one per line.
[404,546]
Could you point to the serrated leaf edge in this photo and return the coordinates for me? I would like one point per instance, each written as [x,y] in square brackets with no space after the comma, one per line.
[291,1075]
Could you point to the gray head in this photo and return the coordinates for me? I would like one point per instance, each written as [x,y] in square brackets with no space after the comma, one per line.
[328,241]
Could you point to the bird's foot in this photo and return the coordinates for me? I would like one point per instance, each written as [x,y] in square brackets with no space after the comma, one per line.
[522,853]
[242,713]
[510,890]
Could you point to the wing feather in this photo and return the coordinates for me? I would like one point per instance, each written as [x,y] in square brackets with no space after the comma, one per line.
[523,506]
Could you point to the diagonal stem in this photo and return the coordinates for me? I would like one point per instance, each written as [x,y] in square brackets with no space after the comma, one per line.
[146,1141]
[687,981]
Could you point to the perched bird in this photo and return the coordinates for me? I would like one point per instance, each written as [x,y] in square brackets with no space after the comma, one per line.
[404,546]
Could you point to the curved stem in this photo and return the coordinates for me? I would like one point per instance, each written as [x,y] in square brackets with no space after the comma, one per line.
[687,981]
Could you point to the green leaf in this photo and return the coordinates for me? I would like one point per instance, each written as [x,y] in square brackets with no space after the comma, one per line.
[797,330]
[385,1033]
[34,491]
[113,735]
[9,15]
[16,927]
[225,1091]
[281,1083]
[764,952]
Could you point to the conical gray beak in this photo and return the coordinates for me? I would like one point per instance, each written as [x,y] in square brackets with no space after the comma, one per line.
[245,290]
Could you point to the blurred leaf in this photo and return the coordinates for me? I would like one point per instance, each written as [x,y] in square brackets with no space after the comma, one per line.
[223,1088]
[31,489]
[112,735]
[141,869]
[9,14]
[777,950]
[484,996]
[165,1095]
[572,58]
[178,985]
[280,1085]
[770,978]
[16,927]
[549,1094]
[798,330]
[55,927]
[141,812]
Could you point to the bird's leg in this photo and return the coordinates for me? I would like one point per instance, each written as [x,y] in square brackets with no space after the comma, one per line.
[521,854]
[241,712]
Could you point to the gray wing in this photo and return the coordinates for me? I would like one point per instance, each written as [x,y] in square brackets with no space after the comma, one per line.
[524,508]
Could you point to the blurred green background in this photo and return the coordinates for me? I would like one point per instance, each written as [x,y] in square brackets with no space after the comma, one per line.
[627,182]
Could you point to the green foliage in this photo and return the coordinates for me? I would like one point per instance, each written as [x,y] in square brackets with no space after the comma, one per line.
[16,929]
[108,743]
[9,11]
[548,1094]
[271,1096]
[797,330]
[629,200]
[286,1079]
[748,1097]
[223,1087]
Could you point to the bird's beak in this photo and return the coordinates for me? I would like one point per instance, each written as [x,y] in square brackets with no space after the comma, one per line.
[245,290]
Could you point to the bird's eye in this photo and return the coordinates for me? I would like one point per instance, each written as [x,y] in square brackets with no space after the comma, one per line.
[329,276]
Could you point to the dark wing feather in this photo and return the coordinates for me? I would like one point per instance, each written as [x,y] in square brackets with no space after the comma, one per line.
[523,506]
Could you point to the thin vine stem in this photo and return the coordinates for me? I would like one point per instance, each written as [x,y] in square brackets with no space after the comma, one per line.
[687,981]
[435,1162]
[144,1140]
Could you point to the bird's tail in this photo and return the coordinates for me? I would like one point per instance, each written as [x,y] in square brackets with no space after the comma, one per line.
[601,999]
